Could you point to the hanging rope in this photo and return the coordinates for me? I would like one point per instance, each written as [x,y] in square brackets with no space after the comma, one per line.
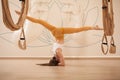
[108,24]
[7,18]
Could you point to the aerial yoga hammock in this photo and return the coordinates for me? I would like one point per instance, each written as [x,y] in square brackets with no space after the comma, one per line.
[108,24]
[8,21]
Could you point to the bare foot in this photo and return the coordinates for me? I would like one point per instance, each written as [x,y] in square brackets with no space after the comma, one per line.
[97,28]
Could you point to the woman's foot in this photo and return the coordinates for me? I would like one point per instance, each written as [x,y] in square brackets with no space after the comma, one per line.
[97,28]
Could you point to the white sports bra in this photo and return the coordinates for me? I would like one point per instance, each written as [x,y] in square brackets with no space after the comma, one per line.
[56,46]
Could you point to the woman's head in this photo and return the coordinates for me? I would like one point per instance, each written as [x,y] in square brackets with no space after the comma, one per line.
[53,62]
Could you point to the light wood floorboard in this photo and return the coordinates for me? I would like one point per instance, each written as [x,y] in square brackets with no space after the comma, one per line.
[75,69]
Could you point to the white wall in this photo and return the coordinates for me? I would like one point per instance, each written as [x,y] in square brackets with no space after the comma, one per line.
[71,13]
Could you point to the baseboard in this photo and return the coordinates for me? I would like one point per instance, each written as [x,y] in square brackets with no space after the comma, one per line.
[66,57]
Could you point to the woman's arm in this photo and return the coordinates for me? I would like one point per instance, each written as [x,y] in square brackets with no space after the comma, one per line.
[60,57]
[39,21]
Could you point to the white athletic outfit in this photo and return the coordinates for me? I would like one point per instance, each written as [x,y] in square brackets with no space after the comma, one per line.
[56,46]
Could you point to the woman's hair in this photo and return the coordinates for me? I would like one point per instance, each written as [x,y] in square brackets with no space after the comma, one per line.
[53,62]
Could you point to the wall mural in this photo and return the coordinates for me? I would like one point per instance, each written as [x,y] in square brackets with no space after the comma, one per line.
[68,13]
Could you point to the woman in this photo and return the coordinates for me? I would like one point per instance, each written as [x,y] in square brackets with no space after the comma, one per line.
[58,33]
[58,59]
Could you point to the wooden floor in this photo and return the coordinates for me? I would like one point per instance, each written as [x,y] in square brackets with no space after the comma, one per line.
[75,69]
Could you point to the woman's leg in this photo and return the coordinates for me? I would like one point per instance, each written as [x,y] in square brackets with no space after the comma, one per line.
[39,21]
[76,30]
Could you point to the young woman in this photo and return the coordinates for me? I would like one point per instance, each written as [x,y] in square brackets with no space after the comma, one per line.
[58,33]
